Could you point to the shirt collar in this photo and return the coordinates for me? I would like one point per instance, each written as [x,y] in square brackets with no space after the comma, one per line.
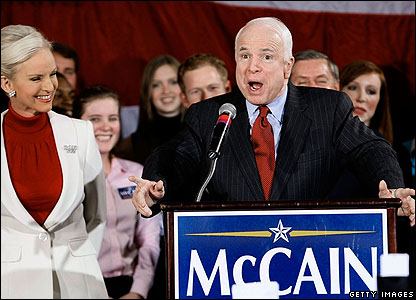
[276,108]
[26,125]
[116,167]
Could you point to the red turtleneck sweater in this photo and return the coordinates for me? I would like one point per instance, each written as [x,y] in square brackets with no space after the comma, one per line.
[33,161]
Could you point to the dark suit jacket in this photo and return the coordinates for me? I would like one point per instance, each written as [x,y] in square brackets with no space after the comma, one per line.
[319,137]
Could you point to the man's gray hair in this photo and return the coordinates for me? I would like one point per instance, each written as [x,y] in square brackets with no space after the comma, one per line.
[314,54]
[281,29]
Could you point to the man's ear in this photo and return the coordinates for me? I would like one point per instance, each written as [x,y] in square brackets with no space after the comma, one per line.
[6,84]
[288,67]
[184,100]
[228,86]
[337,86]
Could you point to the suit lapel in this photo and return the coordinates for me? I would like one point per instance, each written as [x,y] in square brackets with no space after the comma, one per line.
[293,136]
[242,148]
[65,140]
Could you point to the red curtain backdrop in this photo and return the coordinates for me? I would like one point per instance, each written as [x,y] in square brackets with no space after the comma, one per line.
[115,39]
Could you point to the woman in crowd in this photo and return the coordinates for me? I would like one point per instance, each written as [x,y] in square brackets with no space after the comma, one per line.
[130,247]
[52,181]
[161,109]
[366,85]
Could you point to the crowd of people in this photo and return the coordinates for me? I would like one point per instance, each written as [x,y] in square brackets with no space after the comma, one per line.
[86,218]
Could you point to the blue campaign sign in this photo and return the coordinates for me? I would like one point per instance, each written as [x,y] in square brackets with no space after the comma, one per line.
[310,253]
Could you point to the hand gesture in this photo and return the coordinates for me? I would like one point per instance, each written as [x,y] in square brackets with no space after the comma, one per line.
[408,203]
[146,194]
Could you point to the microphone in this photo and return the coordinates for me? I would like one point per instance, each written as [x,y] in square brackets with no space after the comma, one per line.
[227,113]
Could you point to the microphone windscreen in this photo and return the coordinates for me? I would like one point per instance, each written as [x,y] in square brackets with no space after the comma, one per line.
[228,108]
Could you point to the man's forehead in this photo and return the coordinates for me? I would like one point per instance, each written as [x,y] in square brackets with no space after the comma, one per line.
[256,28]
[312,65]
[269,39]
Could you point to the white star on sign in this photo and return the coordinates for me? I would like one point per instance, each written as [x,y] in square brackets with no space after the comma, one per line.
[280,232]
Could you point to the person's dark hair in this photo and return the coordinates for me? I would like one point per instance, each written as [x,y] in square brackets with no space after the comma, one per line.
[90,94]
[314,54]
[66,52]
[381,120]
[56,104]
[198,60]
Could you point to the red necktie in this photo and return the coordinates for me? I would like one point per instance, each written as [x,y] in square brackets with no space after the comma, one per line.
[263,144]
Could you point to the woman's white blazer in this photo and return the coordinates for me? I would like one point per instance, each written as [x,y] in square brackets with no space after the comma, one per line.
[58,259]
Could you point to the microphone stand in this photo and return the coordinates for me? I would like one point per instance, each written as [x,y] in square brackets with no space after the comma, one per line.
[210,173]
[227,112]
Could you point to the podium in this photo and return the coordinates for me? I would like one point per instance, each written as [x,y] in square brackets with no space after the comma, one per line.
[313,249]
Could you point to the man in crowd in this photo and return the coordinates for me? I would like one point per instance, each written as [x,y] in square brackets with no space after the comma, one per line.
[67,62]
[315,69]
[202,76]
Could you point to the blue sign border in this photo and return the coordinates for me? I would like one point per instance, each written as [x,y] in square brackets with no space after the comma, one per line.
[193,226]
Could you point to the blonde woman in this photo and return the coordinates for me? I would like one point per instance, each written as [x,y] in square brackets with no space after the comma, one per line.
[52,181]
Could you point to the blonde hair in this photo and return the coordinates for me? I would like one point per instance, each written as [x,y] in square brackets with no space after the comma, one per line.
[18,44]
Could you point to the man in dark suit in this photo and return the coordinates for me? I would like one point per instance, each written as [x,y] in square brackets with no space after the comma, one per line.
[313,133]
